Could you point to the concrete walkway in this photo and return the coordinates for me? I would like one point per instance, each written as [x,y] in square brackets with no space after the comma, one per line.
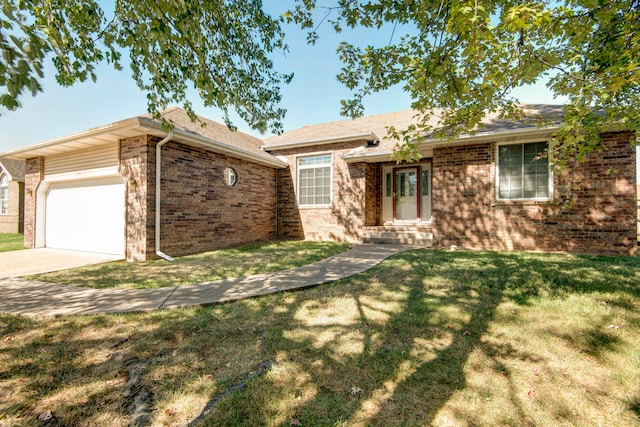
[30,298]
[26,262]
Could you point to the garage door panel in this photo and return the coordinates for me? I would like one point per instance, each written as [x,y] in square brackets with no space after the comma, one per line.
[86,216]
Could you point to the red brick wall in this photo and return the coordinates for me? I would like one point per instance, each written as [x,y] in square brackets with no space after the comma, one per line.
[34,174]
[137,157]
[289,220]
[373,195]
[344,218]
[199,212]
[600,215]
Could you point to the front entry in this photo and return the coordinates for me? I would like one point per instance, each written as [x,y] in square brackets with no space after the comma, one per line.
[406,194]
[407,202]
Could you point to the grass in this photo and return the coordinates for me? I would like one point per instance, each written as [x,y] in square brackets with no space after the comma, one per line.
[426,338]
[208,266]
[11,242]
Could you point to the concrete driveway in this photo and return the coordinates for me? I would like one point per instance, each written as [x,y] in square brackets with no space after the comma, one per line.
[44,260]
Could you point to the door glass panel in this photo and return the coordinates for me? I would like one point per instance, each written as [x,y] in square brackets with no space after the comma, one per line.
[425,183]
[412,183]
[406,194]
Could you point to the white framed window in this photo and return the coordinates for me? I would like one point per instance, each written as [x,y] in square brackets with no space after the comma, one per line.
[522,174]
[314,180]
[4,194]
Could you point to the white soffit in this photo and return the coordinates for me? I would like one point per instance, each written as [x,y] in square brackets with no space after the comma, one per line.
[136,126]
[90,138]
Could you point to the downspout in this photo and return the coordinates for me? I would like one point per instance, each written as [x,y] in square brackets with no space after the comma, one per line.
[158,181]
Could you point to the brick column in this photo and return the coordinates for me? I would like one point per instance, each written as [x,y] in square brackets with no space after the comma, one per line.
[134,168]
[34,174]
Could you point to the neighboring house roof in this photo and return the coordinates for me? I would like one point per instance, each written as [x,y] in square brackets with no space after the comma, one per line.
[213,136]
[378,126]
[13,168]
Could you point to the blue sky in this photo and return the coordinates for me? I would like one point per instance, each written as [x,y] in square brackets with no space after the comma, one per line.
[312,97]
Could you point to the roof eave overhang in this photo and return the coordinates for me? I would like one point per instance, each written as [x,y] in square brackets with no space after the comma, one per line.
[196,140]
[134,127]
[382,156]
[85,139]
[362,136]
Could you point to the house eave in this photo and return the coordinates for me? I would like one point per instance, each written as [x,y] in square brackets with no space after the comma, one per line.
[195,140]
[93,137]
[114,132]
[361,136]
[382,156]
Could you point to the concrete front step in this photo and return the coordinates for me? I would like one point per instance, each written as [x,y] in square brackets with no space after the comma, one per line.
[422,243]
[405,236]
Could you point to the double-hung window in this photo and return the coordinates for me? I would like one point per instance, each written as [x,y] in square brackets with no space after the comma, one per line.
[523,173]
[4,195]
[314,180]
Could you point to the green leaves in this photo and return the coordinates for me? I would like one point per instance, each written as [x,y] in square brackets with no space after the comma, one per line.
[465,58]
[219,48]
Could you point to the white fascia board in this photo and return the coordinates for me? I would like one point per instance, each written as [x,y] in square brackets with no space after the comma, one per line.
[197,140]
[365,136]
[141,124]
[461,140]
[41,149]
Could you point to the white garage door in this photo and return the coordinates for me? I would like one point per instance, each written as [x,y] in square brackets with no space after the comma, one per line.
[86,216]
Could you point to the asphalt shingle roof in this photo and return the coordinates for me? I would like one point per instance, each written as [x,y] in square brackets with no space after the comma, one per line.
[15,168]
[380,123]
[213,130]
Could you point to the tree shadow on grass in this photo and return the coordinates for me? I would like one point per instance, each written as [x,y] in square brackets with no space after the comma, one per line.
[390,346]
[405,352]
[410,354]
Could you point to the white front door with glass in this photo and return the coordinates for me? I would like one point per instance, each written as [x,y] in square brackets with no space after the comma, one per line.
[406,193]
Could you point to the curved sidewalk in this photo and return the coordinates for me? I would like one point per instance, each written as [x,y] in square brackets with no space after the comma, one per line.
[30,298]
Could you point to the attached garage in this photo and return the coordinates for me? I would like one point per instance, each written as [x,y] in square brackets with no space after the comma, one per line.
[81,203]
[86,216]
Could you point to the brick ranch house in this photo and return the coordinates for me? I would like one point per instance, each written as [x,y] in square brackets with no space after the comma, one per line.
[11,195]
[135,189]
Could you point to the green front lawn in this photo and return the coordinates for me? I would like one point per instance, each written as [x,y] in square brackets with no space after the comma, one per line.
[205,267]
[426,338]
[11,242]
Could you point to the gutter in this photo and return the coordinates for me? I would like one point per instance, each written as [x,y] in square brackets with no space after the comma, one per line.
[194,139]
[158,195]
[367,136]
[49,148]
[461,140]
[114,131]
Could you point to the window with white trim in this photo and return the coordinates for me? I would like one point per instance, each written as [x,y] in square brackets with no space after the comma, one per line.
[523,173]
[4,195]
[314,180]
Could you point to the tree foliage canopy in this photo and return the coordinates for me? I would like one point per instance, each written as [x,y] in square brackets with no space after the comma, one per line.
[219,48]
[462,57]
[466,57]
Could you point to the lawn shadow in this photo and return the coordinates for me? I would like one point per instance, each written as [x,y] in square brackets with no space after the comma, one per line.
[411,360]
[382,382]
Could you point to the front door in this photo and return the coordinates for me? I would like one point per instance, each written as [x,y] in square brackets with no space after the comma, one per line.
[407,194]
